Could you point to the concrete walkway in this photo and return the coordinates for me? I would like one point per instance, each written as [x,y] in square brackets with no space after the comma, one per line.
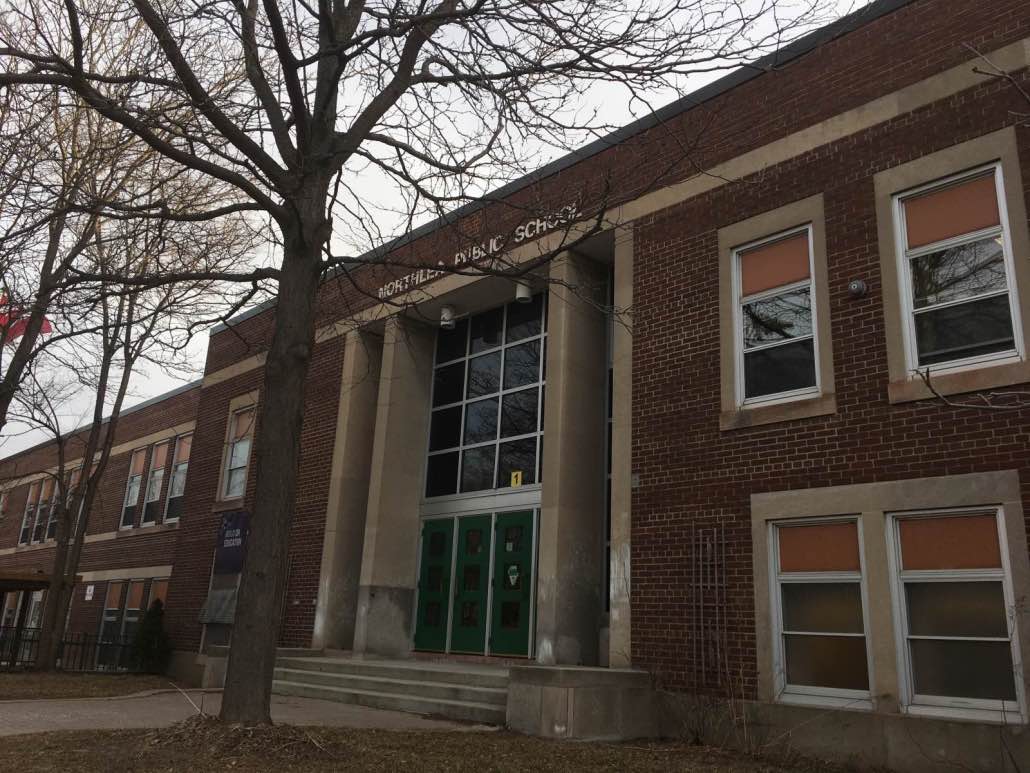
[166,708]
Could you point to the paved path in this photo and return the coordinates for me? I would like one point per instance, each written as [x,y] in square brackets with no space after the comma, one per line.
[166,708]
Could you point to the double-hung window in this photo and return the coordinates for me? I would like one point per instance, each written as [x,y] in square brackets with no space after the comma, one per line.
[954,612]
[177,485]
[237,457]
[43,510]
[956,272]
[819,612]
[775,318]
[25,535]
[137,466]
[155,481]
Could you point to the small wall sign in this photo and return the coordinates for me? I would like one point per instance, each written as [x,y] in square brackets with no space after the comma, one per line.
[89,592]
[516,478]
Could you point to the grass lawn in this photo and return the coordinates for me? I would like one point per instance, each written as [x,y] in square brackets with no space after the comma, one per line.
[30,686]
[200,744]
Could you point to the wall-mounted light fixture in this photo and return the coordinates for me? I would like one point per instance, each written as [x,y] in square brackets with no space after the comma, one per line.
[523,292]
[447,317]
[857,288]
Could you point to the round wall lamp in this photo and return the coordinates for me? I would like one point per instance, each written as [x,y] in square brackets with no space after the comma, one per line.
[523,292]
[447,317]
[857,288]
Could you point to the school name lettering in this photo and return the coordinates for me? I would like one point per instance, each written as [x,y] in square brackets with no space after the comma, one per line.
[492,246]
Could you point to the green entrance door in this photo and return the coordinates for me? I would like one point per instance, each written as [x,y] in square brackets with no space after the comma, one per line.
[512,584]
[434,585]
[471,583]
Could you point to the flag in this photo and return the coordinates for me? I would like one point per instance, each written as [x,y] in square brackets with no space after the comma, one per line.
[13,323]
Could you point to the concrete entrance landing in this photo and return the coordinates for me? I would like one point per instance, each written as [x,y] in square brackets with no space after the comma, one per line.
[462,691]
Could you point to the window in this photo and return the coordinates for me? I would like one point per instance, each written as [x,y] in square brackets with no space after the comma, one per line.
[158,461]
[241,433]
[487,406]
[73,482]
[158,592]
[177,486]
[137,464]
[954,610]
[30,512]
[819,612]
[956,270]
[3,504]
[775,330]
[44,510]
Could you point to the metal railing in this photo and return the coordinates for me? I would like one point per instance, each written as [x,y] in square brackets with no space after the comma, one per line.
[78,652]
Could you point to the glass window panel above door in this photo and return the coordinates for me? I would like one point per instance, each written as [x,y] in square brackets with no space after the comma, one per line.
[481,421]
[484,375]
[442,474]
[452,344]
[525,319]
[486,330]
[517,456]
[522,364]
[477,468]
[449,384]
[445,429]
[519,413]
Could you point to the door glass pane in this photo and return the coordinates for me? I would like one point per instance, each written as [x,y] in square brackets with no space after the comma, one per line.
[512,576]
[518,413]
[827,661]
[448,384]
[470,581]
[486,330]
[958,272]
[967,330]
[510,612]
[823,607]
[434,579]
[779,369]
[963,669]
[469,614]
[522,364]
[517,456]
[481,420]
[437,543]
[524,319]
[445,429]
[450,344]
[473,542]
[778,318]
[477,470]
[484,375]
[433,615]
[513,539]
[442,474]
[956,609]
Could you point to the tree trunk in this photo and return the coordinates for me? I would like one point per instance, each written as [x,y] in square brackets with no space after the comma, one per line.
[58,595]
[255,636]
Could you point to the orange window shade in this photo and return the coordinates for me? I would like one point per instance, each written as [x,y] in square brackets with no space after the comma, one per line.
[135,597]
[774,265]
[952,211]
[160,456]
[822,547]
[48,490]
[114,595]
[244,423]
[73,478]
[137,463]
[950,542]
[182,451]
[158,591]
[33,494]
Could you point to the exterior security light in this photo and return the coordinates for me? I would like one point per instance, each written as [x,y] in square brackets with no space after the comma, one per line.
[447,317]
[523,292]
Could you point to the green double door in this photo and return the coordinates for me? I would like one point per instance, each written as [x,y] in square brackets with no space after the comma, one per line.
[476,584]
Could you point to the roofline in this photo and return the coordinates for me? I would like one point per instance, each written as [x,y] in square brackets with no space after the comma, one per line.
[195,384]
[728,82]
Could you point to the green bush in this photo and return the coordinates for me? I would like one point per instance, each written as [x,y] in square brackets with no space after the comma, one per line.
[151,649]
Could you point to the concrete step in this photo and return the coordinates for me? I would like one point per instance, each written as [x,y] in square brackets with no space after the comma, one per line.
[469,711]
[414,670]
[422,687]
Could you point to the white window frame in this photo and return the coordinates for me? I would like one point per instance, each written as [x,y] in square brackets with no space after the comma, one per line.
[171,478]
[739,301]
[125,496]
[223,488]
[43,518]
[904,267]
[1009,712]
[807,694]
[151,471]
[28,516]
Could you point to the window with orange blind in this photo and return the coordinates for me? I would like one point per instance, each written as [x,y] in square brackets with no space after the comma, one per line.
[43,510]
[158,462]
[241,433]
[955,268]
[954,606]
[137,466]
[775,331]
[177,485]
[158,591]
[28,516]
[819,611]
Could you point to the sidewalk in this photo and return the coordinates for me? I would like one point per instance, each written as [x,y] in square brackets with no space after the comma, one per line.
[166,708]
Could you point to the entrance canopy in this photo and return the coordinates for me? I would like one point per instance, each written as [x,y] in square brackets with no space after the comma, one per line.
[13,580]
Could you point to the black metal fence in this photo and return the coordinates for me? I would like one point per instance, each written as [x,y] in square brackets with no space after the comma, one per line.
[78,651]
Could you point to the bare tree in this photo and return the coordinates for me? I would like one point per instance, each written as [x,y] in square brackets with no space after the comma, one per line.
[298,105]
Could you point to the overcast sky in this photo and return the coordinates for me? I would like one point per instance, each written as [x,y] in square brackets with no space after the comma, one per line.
[150,381]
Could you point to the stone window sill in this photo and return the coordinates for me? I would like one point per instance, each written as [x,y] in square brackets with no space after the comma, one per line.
[742,418]
[987,377]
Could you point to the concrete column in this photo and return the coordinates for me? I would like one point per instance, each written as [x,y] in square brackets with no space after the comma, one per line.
[348,492]
[389,557]
[571,544]
[619,654]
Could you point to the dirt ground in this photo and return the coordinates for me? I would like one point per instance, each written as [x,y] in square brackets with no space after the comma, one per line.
[200,745]
[31,686]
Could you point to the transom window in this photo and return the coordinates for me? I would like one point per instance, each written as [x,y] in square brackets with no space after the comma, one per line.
[819,612]
[956,271]
[776,342]
[487,406]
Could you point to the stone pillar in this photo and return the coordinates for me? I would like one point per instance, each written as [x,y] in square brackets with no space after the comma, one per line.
[571,543]
[348,492]
[390,554]
[619,655]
